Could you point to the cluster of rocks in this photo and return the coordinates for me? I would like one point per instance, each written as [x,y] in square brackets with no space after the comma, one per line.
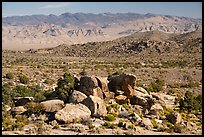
[94,98]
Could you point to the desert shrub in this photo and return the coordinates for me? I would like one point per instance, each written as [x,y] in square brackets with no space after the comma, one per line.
[34,108]
[120,123]
[154,123]
[47,94]
[20,122]
[49,81]
[185,85]
[91,126]
[191,102]
[7,122]
[168,111]
[131,126]
[9,75]
[156,86]
[23,91]
[23,79]
[7,94]
[109,125]
[115,106]
[38,93]
[65,85]
[109,117]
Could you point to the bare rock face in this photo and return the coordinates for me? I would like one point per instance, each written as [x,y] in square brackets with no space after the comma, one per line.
[97,92]
[18,110]
[135,118]
[147,123]
[102,83]
[96,105]
[87,84]
[77,97]
[174,118]
[121,99]
[141,89]
[53,105]
[73,113]
[21,101]
[156,109]
[124,82]
[144,100]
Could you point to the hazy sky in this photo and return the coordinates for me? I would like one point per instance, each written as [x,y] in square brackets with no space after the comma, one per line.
[186,9]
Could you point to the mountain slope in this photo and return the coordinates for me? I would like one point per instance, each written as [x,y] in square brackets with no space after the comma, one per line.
[44,31]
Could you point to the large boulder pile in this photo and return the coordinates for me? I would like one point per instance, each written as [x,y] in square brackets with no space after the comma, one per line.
[127,105]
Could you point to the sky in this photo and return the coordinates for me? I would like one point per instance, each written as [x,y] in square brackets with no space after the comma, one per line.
[185,9]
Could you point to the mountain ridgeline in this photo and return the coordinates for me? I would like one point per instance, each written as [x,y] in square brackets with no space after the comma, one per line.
[47,31]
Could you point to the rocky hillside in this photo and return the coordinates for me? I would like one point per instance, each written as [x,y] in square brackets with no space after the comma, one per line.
[142,43]
[41,31]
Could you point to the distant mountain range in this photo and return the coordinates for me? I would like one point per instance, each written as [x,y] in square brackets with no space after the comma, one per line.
[41,31]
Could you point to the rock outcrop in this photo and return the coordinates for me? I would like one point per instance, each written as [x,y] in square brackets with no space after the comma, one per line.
[77,97]
[96,105]
[53,105]
[20,101]
[73,113]
[124,82]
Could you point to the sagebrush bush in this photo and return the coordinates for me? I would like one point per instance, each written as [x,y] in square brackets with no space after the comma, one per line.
[110,117]
[190,102]
[9,75]
[34,108]
[23,79]
[155,86]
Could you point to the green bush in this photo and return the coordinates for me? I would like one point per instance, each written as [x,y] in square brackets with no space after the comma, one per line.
[23,79]
[190,102]
[34,108]
[7,122]
[65,85]
[110,117]
[154,123]
[155,86]
[23,91]
[109,125]
[9,75]
[7,94]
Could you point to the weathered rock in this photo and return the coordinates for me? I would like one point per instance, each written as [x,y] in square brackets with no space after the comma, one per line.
[121,99]
[73,113]
[141,89]
[144,100]
[102,83]
[97,92]
[174,118]
[158,99]
[156,109]
[96,105]
[87,84]
[119,92]
[135,118]
[137,109]
[21,101]
[147,123]
[123,82]
[77,97]
[18,110]
[53,105]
